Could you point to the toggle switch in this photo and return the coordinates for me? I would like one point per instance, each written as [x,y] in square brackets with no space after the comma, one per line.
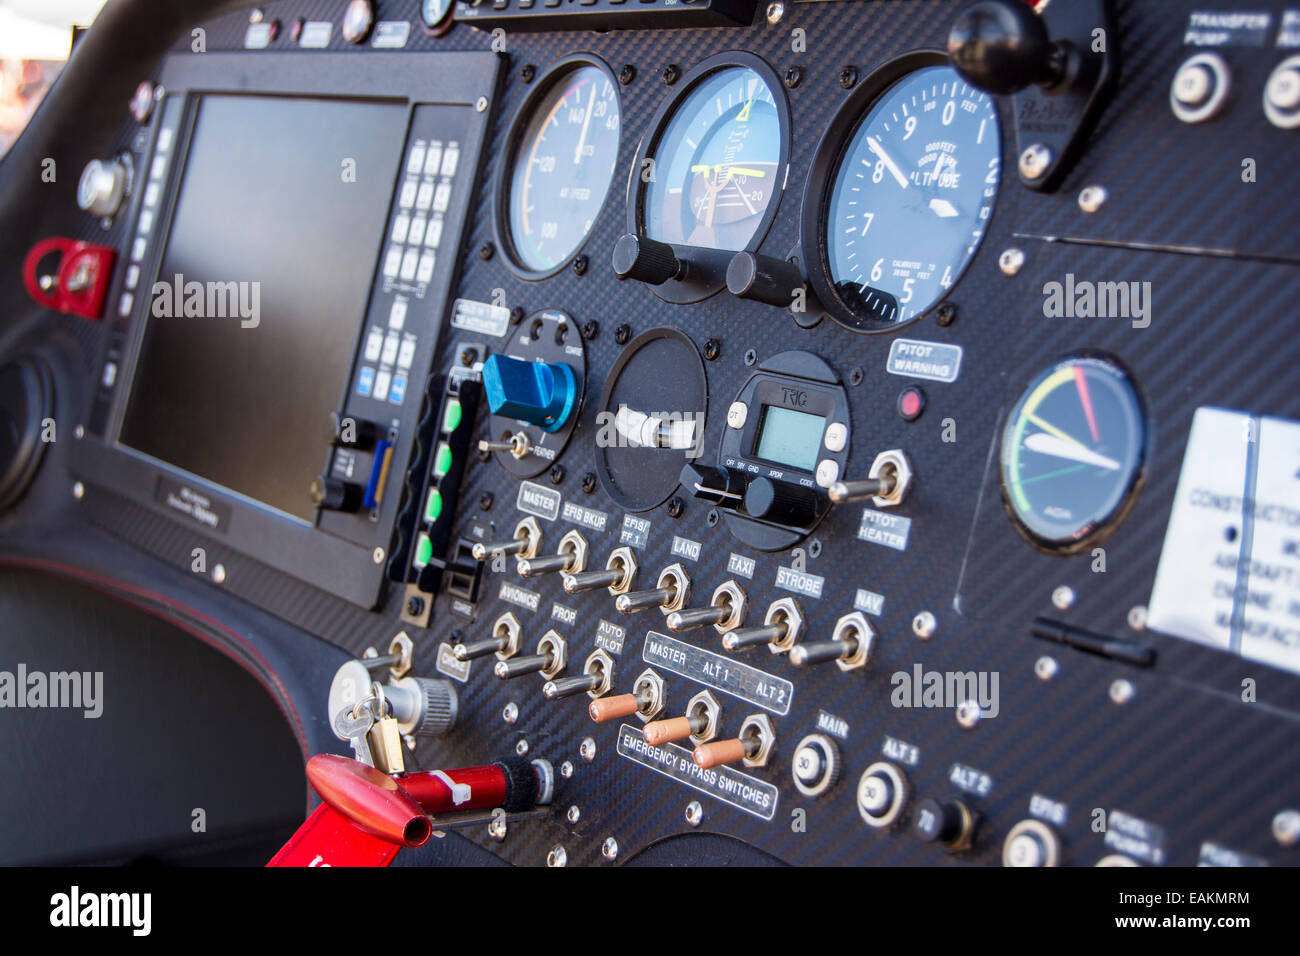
[620,569]
[570,557]
[849,646]
[646,701]
[670,593]
[597,677]
[726,610]
[752,746]
[552,652]
[540,393]
[699,722]
[517,444]
[527,539]
[948,822]
[504,642]
[646,260]
[780,630]
[887,483]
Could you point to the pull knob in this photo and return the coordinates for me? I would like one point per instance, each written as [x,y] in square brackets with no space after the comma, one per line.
[540,393]
[423,706]
[948,822]
[722,486]
[334,494]
[764,279]
[1002,47]
[647,260]
[351,432]
[102,187]
[781,502]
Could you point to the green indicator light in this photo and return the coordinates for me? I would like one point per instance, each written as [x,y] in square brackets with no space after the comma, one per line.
[433,507]
[423,551]
[451,416]
[442,460]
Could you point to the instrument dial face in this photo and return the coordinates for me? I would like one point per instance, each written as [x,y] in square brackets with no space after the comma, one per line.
[911,197]
[1072,451]
[717,164]
[562,166]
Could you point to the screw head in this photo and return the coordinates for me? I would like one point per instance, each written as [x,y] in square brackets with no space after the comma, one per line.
[1063,597]
[574,814]
[1093,198]
[856,375]
[1286,827]
[557,856]
[793,76]
[587,750]
[712,518]
[672,73]
[848,77]
[1034,161]
[78,490]
[968,714]
[1122,691]
[378,555]
[622,334]
[486,251]
[676,506]
[485,501]
[775,11]
[1011,261]
[510,713]
[627,74]
[414,606]
[580,266]
[1045,667]
[590,329]
[1137,617]
[946,314]
[566,769]
[750,357]
[219,573]
[557,474]
[528,72]
[712,350]
[609,849]
[480,104]
[923,625]
[521,748]
[589,482]
[694,813]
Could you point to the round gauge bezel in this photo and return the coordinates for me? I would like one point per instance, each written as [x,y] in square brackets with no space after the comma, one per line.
[1098,528]
[502,232]
[827,159]
[708,267]
[444,24]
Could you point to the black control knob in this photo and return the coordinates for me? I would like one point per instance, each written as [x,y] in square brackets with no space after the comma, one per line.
[334,494]
[1002,47]
[646,259]
[722,486]
[764,279]
[347,431]
[949,822]
[781,502]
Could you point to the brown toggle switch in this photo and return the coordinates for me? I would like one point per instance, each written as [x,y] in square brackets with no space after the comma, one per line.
[752,746]
[646,700]
[612,708]
[700,722]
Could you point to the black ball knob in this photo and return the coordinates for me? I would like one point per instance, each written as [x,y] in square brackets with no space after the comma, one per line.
[763,279]
[333,494]
[645,259]
[1002,47]
[781,502]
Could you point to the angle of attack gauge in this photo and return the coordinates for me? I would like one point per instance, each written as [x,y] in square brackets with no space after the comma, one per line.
[707,179]
[1073,450]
